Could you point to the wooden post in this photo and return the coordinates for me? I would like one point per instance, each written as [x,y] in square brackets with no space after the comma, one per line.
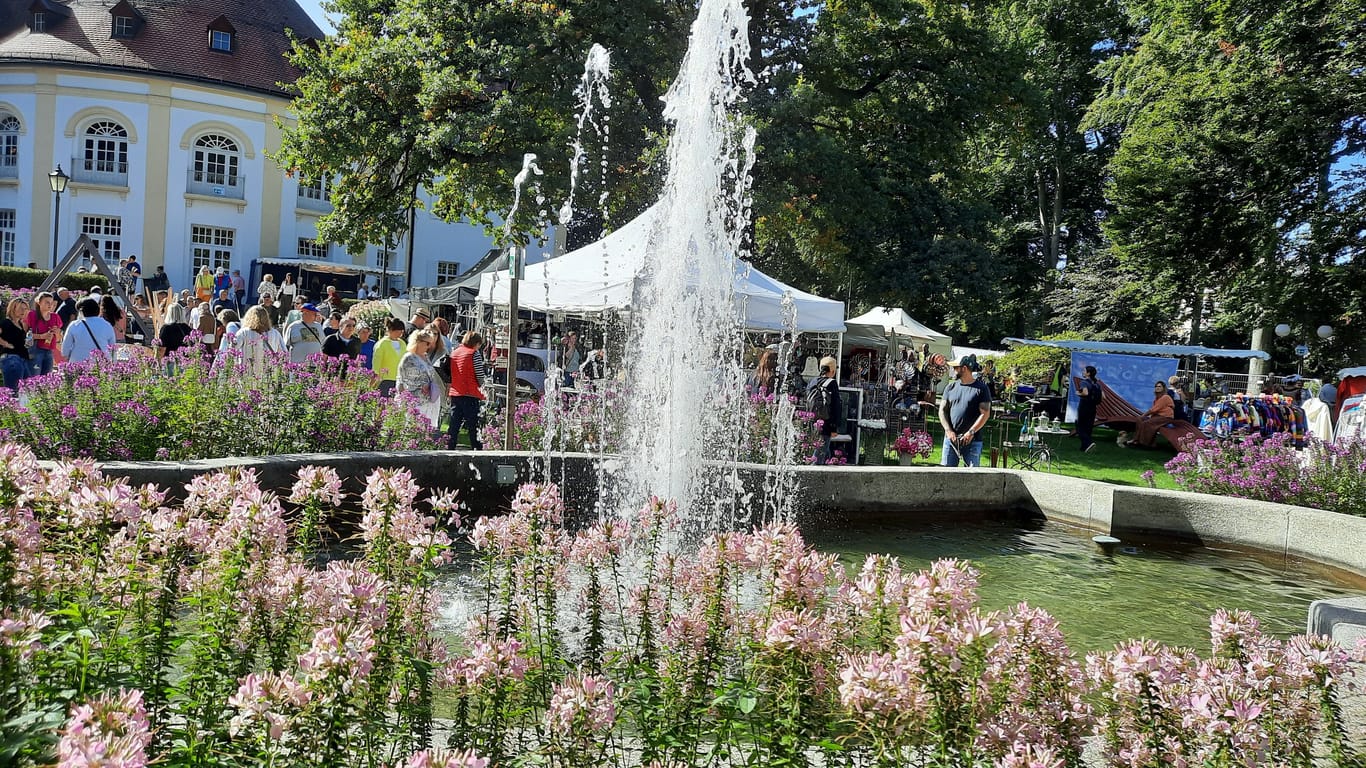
[514,262]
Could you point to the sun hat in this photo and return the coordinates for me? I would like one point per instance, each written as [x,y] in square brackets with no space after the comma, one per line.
[422,312]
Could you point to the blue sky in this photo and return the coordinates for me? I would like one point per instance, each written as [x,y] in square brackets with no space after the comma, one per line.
[315,9]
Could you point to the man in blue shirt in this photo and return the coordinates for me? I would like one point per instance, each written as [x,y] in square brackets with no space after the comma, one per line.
[90,335]
[963,412]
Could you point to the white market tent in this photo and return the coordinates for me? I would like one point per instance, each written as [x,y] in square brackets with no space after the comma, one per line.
[877,326]
[602,276]
[1125,348]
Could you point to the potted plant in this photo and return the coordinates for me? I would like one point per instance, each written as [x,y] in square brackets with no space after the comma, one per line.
[910,444]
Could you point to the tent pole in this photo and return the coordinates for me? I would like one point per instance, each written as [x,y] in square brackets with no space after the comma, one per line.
[511,407]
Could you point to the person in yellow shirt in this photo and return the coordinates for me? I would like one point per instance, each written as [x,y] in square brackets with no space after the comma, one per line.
[388,352]
[203,284]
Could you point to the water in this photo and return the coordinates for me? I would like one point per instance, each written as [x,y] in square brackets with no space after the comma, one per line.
[1164,592]
[685,340]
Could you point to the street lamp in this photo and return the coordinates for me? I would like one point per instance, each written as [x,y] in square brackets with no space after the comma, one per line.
[57,180]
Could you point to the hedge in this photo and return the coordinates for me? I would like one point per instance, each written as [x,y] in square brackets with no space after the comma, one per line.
[20,277]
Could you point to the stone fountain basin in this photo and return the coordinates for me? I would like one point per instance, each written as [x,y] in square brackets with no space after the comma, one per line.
[830,495]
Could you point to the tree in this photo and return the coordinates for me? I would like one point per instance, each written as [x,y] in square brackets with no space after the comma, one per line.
[1231,115]
[448,96]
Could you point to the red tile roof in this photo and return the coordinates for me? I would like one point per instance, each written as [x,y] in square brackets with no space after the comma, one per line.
[174,40]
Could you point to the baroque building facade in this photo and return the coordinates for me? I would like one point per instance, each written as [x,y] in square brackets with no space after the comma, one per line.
[162,114]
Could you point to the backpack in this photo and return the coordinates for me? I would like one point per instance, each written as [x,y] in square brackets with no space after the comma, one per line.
[1097,393]
[443,368]
[818,399]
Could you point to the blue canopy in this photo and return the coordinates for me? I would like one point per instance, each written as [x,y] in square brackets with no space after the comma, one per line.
[1125,348]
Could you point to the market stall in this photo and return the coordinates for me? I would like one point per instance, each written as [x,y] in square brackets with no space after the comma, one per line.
[602,276]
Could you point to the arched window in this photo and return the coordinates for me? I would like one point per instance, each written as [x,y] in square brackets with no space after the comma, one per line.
[216,159]
[105,159]
[9,146]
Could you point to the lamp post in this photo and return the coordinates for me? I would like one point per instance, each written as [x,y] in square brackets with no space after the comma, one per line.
[57,180]
[1324,332]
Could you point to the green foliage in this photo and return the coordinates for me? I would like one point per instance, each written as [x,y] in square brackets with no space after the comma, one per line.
[187,408]
[1036,364]
[19,277]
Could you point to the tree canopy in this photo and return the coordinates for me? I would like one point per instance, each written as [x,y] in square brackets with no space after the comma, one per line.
[1146,170]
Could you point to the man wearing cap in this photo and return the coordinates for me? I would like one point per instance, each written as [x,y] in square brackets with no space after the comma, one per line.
[304,337]
[66,307]
[964,412]
[420,319]
[268,301]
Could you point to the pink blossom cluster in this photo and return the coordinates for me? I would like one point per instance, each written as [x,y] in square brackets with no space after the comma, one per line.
[1257,701]
[582,705]
[489,662]
[270,699]
[21,630]
[317,485]
[346,655]
[109,731]
[438,758]
[389,513]
[913,443]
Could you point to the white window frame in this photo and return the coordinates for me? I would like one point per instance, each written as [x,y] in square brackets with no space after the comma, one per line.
[9,140]
[220,40]
[106,147]
[310,248]
[107,233]
[124,27]
[211,247]
[447,271]
[8,236]
[217,160]
[313,190]
[39,22]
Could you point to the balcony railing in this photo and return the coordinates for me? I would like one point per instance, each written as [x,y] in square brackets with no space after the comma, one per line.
[212,184]
[311,199]
[109,173]
[9,167]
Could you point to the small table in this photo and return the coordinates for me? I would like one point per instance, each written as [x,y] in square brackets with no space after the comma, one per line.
[1029,454]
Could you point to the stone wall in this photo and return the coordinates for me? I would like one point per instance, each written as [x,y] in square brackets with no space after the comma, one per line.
[827,495]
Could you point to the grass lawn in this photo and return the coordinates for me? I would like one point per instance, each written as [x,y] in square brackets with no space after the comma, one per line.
[1106,462]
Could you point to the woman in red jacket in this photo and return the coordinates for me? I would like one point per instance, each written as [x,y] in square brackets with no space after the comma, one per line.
[467,370]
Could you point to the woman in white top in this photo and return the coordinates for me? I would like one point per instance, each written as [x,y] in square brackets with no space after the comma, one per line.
[257,338]
[289,290]
[417,377]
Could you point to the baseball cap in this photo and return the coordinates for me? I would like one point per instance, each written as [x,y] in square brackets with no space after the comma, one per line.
[309,308]
[961,360]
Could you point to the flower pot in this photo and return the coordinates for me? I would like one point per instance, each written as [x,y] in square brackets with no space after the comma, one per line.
[905,458]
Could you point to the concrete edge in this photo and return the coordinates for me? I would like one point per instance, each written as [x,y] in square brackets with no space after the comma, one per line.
[1332,539]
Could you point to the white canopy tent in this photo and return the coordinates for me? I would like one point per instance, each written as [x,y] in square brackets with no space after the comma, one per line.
[602,276]
[877,326]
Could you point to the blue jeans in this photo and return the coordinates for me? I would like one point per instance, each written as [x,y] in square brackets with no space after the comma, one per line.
[972,454]
[16,369]
[40,360]
[465,413]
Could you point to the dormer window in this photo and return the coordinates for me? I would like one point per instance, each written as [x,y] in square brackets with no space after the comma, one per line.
[43,15]
[126,21]
[221,34]
[124,26]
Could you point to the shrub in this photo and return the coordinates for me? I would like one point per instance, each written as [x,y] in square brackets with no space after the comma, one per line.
[136,410]
[1321,475]
[19,277]
[1036,363]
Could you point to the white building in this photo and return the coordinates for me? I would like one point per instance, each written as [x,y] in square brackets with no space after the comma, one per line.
[162,114]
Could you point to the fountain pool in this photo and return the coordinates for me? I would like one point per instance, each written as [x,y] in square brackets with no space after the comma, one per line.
[1164,591]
